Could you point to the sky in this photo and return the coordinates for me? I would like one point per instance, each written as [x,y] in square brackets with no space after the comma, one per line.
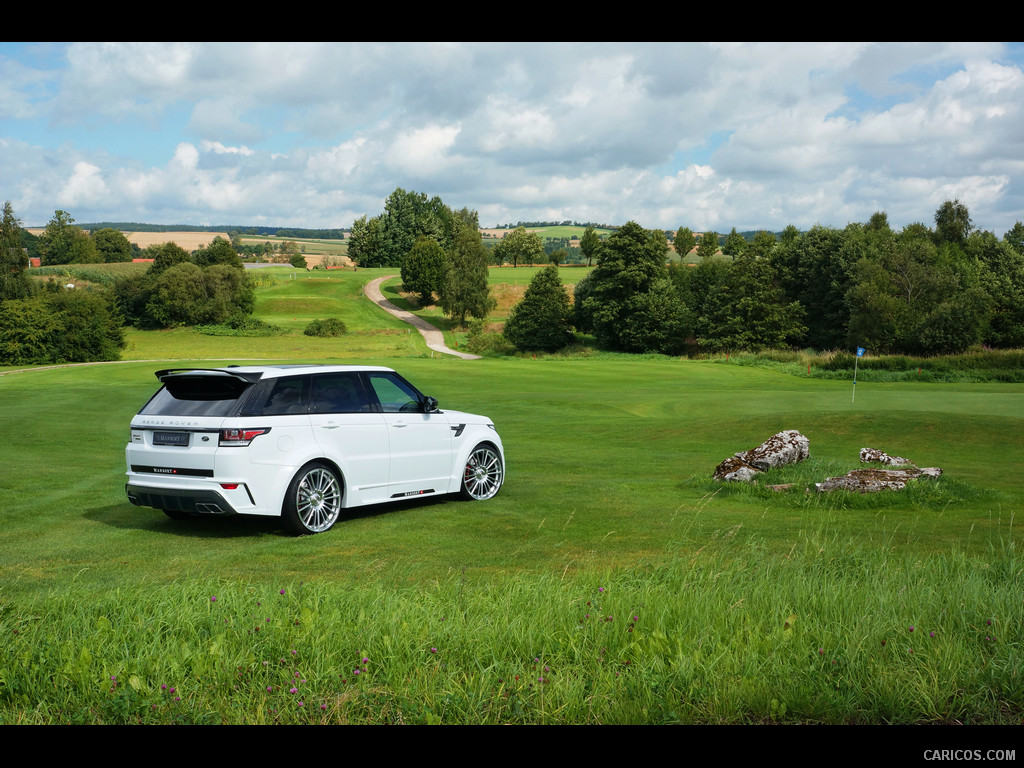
[709,136]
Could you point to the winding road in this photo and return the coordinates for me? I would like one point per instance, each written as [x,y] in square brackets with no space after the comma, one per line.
[433,337]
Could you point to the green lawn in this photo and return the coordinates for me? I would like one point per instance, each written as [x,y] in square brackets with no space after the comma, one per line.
[609,458]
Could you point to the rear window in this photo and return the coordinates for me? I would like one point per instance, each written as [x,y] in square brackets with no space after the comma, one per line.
[198,396]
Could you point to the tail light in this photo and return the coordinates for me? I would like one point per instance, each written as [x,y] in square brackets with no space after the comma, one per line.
[239,437]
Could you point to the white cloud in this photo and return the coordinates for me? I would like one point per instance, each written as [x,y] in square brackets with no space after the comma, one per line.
[702,135]
[218,148]
[86,187]
[422,151]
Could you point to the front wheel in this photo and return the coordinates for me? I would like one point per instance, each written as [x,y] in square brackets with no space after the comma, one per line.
[313,501]
[483,474]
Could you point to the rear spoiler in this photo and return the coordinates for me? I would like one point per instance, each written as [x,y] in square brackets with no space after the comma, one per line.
[250,377]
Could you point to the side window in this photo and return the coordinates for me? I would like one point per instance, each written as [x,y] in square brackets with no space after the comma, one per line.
[395,395]
[289,395]
[339,393]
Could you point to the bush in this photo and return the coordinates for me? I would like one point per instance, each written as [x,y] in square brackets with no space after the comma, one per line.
[241,325]
[482,343]
[542,321]
[60,326]
[331,326]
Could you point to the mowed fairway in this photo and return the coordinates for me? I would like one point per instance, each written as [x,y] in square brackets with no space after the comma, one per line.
[608,465]
[610,581]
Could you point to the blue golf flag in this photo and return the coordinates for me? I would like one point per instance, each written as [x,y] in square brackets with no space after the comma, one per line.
[860,351]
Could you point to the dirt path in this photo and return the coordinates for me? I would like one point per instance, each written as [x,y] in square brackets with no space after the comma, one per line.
[433,337]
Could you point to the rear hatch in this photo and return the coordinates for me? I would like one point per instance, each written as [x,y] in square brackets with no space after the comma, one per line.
[178,431]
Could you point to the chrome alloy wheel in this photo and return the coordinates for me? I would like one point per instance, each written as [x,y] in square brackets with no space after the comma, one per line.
[483,474]
[318,499]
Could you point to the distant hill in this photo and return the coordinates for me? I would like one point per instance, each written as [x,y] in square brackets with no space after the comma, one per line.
[296,232]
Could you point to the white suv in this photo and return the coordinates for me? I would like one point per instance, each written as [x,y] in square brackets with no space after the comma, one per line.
[303,442]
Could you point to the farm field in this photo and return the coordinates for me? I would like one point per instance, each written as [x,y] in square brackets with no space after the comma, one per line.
[611,581]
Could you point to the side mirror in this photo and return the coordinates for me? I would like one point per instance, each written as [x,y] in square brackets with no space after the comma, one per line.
[429,404]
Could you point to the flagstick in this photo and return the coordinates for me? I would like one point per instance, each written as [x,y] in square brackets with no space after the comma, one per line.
[854,396]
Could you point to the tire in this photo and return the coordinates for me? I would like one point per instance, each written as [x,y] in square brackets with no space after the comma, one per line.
[313,501]
[483,474]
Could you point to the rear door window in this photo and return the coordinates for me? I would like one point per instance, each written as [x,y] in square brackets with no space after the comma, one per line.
[288,394]
[339,393]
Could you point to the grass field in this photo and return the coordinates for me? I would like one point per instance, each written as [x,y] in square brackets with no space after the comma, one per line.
[611,581]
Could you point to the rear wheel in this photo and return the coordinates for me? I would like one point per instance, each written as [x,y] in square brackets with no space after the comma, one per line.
[313,501]
[483,474]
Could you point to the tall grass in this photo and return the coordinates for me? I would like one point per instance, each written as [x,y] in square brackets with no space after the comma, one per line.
[981,365]
[832,632]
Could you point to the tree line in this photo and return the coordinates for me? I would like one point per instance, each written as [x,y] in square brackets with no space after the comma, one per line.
[257,231]
[53,323]
[921,290]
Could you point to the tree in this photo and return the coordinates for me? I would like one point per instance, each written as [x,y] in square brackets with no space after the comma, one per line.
[165,255]
[952,223]
[1014,237]
[465,292]
[423,270]
[762,246]
[708,245]
[748,311]
[590,244]
[366,243]
[814,270]
[111,245]
[542,321]
[735,244]
[632,306]
[917,298]
[1003,280]
[582,313]
[879,222]
[384,240]
[789,234]
[64,243]
[13,258]
[684,241]
[83,249]
[186,294]
[520,246]
[221,251]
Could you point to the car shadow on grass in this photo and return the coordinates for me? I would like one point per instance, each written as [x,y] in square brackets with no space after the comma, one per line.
[127,516]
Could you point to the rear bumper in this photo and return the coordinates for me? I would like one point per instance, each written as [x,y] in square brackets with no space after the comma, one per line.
[179,500]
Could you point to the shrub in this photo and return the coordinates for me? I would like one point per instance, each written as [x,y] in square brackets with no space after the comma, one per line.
[542,321]
[482,343]
[331,326]
[241,325]
[60,326]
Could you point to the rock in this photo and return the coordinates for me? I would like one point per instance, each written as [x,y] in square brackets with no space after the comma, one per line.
[735,469]
[786,447]
[873,480]
[869,455]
